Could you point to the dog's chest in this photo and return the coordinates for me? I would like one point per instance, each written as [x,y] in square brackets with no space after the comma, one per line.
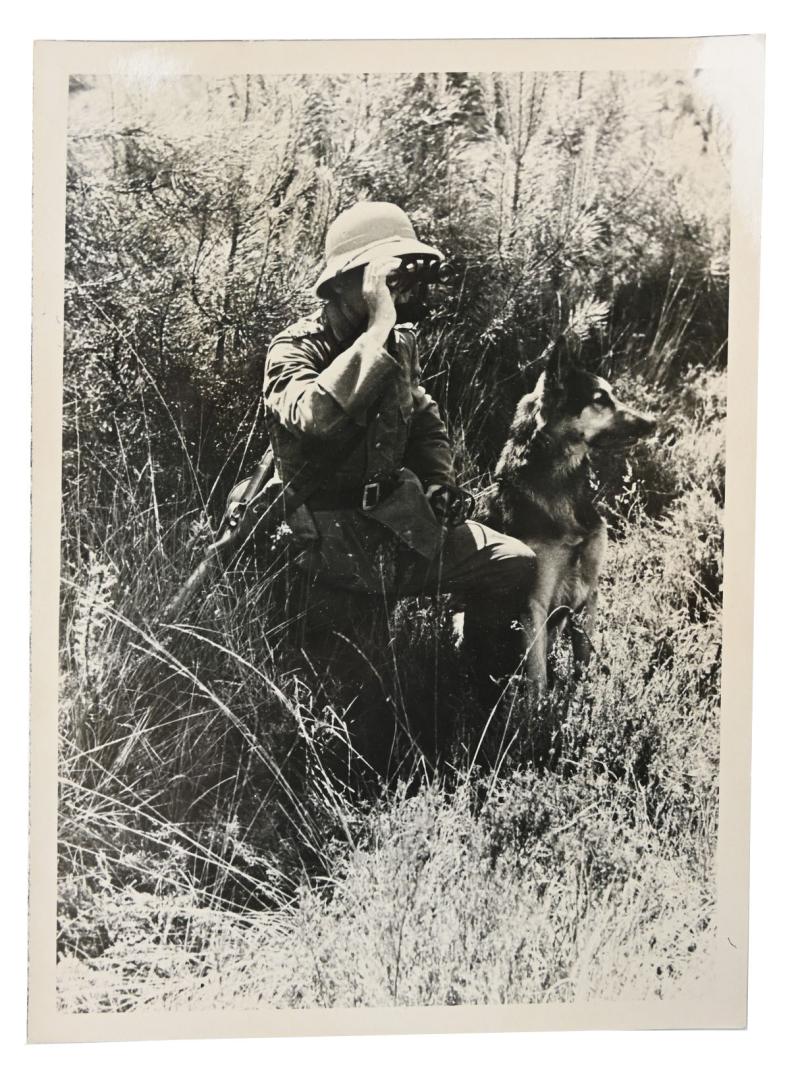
[567,575]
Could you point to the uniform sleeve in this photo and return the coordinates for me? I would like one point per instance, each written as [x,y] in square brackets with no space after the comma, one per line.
[428,453]
[312,401]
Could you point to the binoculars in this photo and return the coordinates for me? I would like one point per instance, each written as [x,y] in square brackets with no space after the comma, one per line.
[422,269]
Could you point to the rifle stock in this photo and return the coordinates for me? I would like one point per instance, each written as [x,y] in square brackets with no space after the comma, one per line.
[235,532]
[250,508]
[210,568]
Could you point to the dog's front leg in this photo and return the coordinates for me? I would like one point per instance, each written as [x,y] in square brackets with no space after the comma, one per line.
[536,648]
[581,630]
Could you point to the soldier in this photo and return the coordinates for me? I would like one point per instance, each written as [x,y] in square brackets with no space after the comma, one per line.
[348,414]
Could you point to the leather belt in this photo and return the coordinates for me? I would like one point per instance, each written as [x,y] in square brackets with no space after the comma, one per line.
[364,496]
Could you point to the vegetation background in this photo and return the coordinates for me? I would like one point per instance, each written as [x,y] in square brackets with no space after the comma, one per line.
[221,842]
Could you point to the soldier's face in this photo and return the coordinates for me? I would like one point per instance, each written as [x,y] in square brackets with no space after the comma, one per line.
[346,293]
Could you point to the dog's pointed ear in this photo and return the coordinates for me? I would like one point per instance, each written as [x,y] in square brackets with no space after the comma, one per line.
[535,408]
[559,362]
[556,363]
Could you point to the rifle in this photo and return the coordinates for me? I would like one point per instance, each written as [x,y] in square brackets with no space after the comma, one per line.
[246,511]
[249,511]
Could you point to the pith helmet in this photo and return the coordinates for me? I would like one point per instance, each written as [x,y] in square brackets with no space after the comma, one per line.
[368,230]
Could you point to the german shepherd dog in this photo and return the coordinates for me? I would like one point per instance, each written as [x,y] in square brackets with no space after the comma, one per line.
[542,494]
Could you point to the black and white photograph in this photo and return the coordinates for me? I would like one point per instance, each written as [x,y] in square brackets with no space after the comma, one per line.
[392,525]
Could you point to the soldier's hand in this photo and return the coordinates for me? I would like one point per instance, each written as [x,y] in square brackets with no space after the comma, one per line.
[377,297]
[451,505]
[439,500]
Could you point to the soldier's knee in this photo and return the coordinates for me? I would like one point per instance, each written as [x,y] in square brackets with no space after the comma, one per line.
[520,551]
[518,563]
[524,553]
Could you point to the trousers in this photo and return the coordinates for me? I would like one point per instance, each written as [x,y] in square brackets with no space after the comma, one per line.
[490,573]
[386,681]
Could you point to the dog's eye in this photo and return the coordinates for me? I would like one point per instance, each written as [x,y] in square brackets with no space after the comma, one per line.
[600,397]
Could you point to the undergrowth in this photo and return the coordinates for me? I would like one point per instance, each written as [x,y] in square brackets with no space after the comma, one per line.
[224,842]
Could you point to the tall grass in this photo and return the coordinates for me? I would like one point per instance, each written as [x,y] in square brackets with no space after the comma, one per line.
[226,839]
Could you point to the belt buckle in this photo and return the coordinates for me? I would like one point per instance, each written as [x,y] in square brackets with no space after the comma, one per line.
[371,495]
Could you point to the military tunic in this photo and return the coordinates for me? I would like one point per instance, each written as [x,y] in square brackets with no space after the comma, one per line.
[322,389]
[326,392]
